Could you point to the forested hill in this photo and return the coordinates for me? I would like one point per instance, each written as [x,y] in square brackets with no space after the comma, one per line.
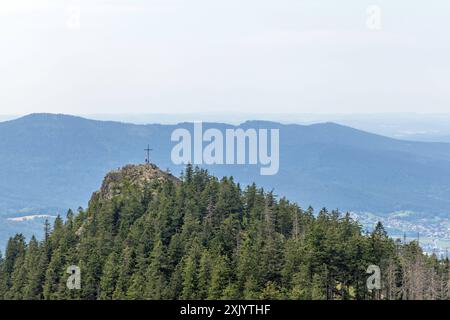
[149,235]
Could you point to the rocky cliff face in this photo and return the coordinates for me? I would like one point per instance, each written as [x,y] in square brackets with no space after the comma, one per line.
[136,175]
[116,183]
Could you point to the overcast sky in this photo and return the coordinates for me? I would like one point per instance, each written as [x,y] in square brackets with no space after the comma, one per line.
[169,56]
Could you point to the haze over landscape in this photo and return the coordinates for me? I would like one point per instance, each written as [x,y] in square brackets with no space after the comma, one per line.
[355,98]
[54,162]
[172,56]
[383,70]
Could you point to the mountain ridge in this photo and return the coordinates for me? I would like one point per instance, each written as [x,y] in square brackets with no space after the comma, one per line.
[341,166]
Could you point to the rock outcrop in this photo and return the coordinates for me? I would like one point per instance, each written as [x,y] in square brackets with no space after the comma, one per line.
[136,175]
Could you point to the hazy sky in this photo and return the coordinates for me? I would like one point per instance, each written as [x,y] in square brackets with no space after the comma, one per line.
[169,56]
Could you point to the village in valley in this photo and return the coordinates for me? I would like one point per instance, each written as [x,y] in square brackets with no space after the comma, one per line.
[433,234]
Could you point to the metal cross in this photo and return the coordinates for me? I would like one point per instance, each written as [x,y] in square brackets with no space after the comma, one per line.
[147,160]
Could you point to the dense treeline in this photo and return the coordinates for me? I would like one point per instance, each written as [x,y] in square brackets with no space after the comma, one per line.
[201,238]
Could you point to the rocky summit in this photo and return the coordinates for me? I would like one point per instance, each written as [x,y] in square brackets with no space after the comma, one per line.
[139,176]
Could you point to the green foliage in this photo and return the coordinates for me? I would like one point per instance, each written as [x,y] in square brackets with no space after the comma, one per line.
[201,238]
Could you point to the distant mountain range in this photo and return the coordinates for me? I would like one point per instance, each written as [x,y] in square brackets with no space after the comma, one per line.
[52,161]
[49,163]
[424,127]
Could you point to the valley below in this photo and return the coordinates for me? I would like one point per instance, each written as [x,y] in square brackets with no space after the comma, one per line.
[433,234]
